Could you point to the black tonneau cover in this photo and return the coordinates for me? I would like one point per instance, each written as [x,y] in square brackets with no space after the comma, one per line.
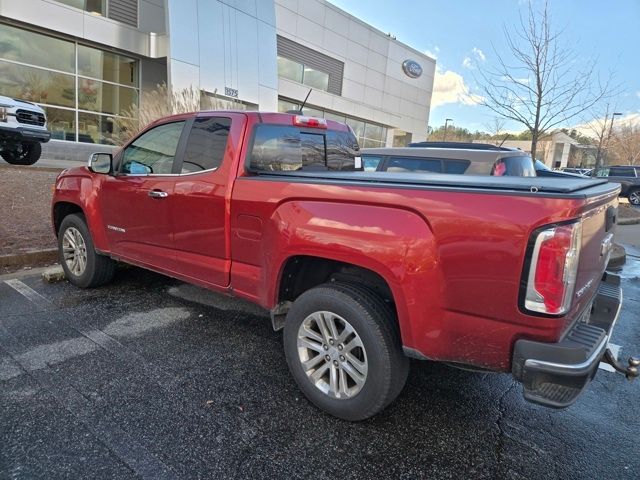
[567,185]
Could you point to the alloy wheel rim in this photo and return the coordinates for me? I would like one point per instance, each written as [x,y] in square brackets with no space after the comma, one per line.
[634,198]
[332,355]
[74,250]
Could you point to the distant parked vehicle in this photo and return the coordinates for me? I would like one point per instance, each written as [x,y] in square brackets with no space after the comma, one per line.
[580,171]
[23,127]
[628,176]
[450,157]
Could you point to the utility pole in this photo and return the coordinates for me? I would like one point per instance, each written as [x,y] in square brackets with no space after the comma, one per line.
[446,124]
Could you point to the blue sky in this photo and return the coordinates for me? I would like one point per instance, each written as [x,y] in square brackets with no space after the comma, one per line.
[464,33]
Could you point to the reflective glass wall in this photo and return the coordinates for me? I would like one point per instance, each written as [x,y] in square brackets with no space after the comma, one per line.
[369,134]
[81,88]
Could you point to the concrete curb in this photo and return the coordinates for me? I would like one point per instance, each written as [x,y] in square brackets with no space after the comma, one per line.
[628,221]
[618,257]
[29,258]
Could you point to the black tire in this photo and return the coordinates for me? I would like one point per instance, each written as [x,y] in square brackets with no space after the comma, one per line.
[99,269]
[634,196]
[375,323]
[29,155]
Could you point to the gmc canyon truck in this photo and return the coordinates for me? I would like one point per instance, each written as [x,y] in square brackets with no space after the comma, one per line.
[361,270]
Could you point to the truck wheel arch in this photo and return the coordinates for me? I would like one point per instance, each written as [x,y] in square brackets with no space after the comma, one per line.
[61,210]
[300,273]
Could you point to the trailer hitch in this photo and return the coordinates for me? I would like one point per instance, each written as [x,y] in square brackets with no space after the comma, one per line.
[630,371]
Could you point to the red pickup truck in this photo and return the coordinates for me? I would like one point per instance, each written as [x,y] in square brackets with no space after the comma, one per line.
[361,270]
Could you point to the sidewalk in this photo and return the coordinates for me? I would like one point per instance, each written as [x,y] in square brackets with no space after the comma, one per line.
[25,219]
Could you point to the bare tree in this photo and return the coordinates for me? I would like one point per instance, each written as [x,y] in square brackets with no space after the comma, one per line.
[538,87]
[601,128]
[495,127]
[626,143]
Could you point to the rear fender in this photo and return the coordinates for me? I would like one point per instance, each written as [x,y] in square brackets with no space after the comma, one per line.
[395,243]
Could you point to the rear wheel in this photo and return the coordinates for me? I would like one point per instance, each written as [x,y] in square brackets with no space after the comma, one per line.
[82,265]
[27,154]
[634,197]
[343,348]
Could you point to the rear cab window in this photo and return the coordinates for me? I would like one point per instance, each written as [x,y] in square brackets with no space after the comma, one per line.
[410,164]
[622,172]
[282,148]
[517,166]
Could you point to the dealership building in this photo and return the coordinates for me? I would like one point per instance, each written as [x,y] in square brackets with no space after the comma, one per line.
[88,61]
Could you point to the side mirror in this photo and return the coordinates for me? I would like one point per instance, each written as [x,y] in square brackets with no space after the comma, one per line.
[101,163]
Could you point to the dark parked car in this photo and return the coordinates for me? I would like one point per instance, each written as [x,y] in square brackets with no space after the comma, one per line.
[626,175]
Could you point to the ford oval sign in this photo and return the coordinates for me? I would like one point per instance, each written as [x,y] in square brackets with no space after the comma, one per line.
[412,68]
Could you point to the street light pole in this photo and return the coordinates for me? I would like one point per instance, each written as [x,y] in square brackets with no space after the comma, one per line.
[446,124]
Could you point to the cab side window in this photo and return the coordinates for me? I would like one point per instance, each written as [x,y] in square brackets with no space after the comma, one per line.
[153,152]
[206,145]
[622,172]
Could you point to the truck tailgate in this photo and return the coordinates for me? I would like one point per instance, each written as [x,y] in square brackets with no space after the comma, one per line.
[598,228]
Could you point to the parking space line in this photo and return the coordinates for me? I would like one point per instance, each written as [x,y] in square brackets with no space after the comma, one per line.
[140,460]
[29,293]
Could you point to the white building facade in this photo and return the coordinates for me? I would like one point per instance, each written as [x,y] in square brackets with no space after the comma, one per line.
[88,61]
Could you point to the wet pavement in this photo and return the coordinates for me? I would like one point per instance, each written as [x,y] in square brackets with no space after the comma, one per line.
[152,378]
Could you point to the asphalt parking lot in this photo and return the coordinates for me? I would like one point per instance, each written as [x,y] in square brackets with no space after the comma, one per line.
[153,378]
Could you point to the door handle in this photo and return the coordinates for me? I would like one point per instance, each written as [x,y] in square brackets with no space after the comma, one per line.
[158,194]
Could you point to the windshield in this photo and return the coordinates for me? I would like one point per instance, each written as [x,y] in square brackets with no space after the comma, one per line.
[541,166]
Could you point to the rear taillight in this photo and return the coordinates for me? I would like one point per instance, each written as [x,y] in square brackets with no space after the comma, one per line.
[553,270]
[313,122]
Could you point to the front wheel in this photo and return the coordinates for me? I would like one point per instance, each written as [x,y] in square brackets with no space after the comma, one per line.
[634,197]
[28,154]
[343,348]
[82,265]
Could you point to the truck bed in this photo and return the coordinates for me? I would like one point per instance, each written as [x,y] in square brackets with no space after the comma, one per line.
[567,188]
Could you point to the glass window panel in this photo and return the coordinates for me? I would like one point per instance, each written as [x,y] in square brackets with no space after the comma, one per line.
[285,106]
[335,117]
[94,128]
[36,85]
[154,151]
[456,166]
[312,150]
[105,97]
[370,162]
[622,172]
[107,66]
[315,79]
[61,123]
[399,164]
[98,7]
[312,112]
[290,69]
[374,132]
[276,148]
[36,49]
[206,145]
[342,149]
[357,126]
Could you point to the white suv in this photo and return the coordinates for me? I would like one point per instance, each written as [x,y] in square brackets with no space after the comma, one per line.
[23,127]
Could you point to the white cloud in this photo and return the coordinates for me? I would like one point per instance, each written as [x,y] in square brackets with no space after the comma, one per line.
[433,53]
[450,87]
[597,124]
[638,94]
[479,54]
